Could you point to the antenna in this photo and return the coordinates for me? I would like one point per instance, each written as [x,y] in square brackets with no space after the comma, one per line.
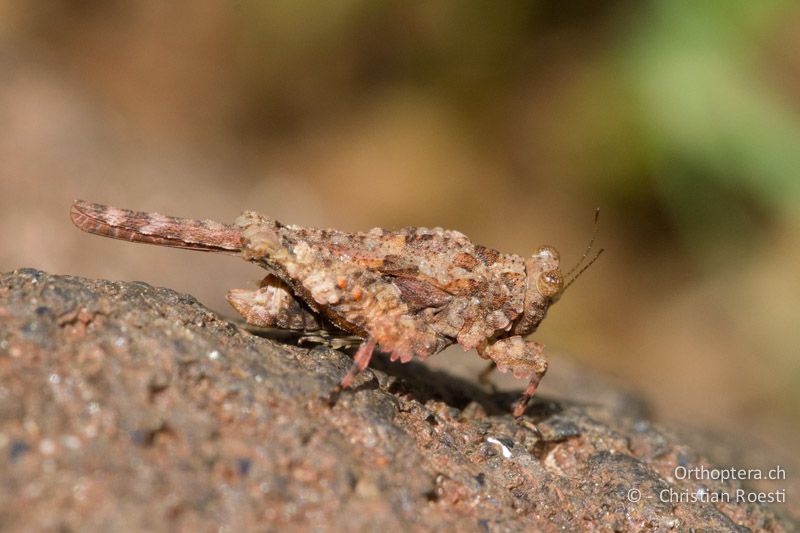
[588,248]
[585,254]
[581,271]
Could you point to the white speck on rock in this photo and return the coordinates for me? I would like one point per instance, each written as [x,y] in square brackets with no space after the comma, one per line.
[503,448]
[47,447]
[71,441]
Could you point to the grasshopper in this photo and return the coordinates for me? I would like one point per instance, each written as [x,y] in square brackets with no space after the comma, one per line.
[410,292]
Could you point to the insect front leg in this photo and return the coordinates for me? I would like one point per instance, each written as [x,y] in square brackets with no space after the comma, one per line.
[524,358]
[484,377]
[273,305]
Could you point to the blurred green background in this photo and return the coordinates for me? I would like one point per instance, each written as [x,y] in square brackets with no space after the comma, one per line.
[510,121]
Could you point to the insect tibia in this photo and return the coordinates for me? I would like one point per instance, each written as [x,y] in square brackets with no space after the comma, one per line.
[153,228]
[331,339]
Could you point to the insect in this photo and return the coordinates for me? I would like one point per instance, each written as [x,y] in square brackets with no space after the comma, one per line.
[409,293]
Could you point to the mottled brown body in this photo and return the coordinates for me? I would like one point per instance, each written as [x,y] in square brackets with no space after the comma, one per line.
[410,292]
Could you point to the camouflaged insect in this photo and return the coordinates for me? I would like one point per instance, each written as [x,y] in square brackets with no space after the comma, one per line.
[409,293]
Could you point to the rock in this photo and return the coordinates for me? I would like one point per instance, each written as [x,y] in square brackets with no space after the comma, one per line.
[124,406]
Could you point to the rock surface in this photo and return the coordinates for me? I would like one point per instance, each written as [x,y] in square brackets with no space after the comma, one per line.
[124,406]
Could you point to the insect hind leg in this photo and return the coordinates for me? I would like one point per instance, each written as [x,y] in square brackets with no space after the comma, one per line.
[273,305]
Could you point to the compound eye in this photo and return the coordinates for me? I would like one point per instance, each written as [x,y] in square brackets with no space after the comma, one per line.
[550,283]
[547,253]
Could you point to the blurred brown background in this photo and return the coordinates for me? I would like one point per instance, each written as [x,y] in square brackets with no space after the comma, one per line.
[508,121]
